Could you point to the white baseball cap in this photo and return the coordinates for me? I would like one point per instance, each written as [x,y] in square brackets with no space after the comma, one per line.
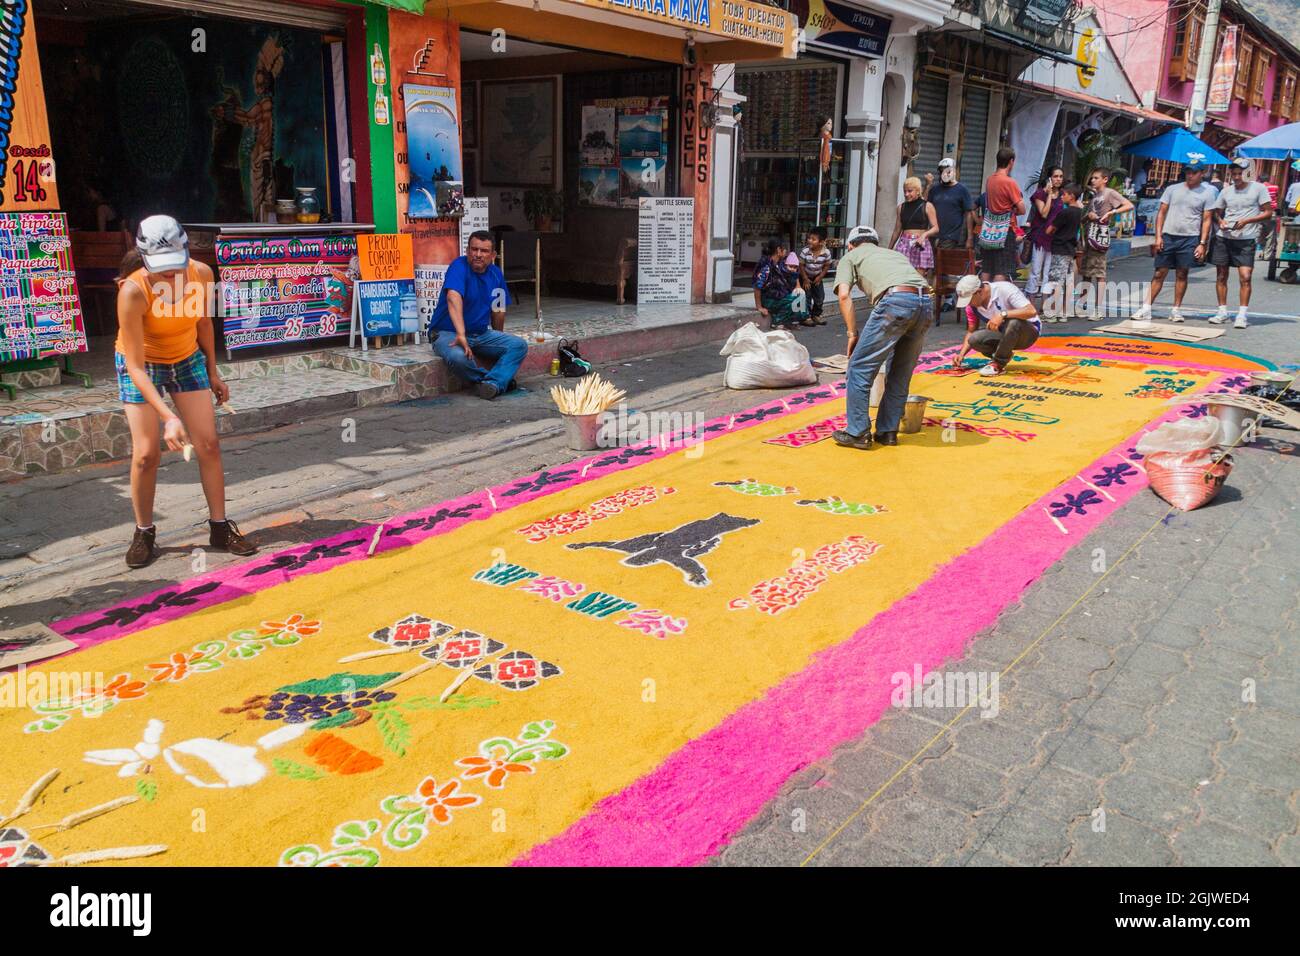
[861,234]
[967,286]
[1241,162]
[947,163]
[162,244]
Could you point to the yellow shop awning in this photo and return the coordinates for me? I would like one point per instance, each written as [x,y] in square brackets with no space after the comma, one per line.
[724,31]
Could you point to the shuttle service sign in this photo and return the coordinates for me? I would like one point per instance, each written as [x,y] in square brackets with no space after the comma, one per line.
[664,250]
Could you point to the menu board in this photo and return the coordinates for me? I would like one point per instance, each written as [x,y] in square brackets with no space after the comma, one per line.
[386,299]
[274,289]
[40,312]
[664,250]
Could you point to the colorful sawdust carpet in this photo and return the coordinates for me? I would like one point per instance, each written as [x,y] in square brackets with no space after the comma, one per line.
[646,643]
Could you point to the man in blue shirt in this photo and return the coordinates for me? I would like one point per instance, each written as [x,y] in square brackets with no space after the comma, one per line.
[468,321]
[954,206]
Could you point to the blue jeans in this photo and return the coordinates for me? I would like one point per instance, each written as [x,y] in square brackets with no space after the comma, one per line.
[508,351]
[895,331]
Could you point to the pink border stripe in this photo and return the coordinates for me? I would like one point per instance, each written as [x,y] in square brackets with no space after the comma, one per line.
[688,807]
[226,584]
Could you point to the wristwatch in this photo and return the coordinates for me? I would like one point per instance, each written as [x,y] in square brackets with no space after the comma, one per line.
[1003,314]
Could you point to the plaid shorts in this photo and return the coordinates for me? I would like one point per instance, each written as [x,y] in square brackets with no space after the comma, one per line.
[187,375]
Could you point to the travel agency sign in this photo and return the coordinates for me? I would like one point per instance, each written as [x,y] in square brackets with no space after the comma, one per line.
[726,19]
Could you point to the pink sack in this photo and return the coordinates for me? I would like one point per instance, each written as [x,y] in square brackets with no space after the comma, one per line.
[1187,480]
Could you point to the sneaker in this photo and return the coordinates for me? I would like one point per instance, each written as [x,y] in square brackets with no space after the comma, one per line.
[1219,317]
[1241,322]
[860,442]
[1176,315]
[993,368]
[225,536]
[142,550]
[487,390]
[1142,317]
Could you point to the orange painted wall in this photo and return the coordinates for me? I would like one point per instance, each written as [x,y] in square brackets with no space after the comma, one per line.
[436,241]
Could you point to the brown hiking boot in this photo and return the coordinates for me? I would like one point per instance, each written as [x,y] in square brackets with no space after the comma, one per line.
[141,551]
[225,536]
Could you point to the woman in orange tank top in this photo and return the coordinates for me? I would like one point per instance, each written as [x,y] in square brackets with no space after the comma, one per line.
[166,343]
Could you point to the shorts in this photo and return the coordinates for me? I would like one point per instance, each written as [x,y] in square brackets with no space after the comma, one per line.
[1233,252]
[1094,265]
[1059,272]
[187,375]
[1004,261]
[1179,253]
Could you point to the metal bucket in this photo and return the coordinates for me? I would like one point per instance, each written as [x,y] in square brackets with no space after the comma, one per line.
[913,414]
[582,431]
[1232,421]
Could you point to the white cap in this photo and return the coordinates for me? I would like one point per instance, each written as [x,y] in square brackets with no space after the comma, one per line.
[967,286]
[162,244]
[947,163]
[1241,162]
[860,234]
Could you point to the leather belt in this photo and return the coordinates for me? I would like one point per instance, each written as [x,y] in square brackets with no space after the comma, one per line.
[918,289]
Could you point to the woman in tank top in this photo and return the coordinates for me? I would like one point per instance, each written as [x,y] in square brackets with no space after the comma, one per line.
[915,225]
[166,343]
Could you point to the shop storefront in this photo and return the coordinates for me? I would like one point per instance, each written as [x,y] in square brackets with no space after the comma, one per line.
[277,131]
[228,116]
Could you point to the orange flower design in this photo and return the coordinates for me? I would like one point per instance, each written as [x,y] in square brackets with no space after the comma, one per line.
[442,801]
[293,624]
[122,688]
[178,668]
[496,770]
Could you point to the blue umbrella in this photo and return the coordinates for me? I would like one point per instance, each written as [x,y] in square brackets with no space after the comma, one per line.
[1280,143]
[1178,146]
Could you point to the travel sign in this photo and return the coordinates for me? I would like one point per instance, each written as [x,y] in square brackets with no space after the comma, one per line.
[731,19]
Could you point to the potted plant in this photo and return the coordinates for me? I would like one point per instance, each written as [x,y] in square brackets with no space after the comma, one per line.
[542,207]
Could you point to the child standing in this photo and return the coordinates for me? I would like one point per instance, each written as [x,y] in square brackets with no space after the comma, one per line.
[1064,236]
[814,263]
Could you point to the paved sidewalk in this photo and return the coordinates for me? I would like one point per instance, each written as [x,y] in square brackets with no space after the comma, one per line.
[1131,706]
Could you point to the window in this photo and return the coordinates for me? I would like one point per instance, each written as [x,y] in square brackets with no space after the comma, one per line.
[1284,92]
[1241,84]
[1164,171]
[1259,76]
[1187,44]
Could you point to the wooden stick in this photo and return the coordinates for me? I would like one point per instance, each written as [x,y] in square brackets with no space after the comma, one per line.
[188,451]
[407,675]
[28,799]
[72,819]
[1055,522]
[366,655]
[115,853]
[1100,491]
[374,542]
[460,679]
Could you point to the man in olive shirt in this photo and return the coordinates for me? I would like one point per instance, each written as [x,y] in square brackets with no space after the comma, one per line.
[894,331]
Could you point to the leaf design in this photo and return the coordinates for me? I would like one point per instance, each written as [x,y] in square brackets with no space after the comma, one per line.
[537,730]
[294,770]
[408,826]
[395,731]
[341,683]
[147,790]
[355,831]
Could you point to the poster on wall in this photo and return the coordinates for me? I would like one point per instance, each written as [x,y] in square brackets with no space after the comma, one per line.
[665,250]
[599,136]
[641,132]
[40,312]
[26,162]
[474,220]
[641,179]
[274,289]
[518,131]
[598,186]
[436,189]
[1225,73]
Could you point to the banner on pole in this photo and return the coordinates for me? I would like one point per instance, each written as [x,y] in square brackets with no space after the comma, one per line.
[1225,73]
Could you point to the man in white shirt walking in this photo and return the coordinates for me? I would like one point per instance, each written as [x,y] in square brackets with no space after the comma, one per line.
[1239,212]
[1182,238]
